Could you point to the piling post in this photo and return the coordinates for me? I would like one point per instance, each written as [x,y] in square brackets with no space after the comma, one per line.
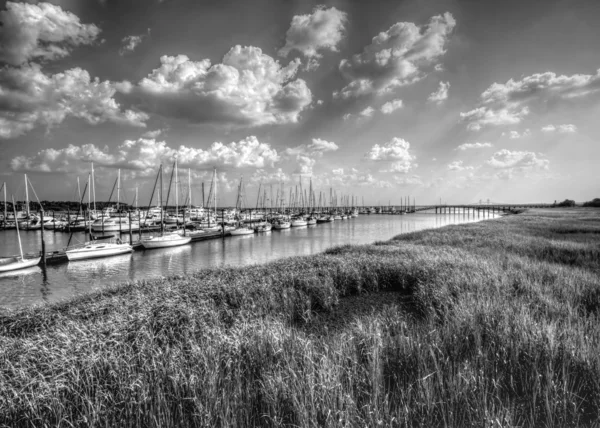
[68,228]
[223,224]
[140,225]
[53,220]
[43,242]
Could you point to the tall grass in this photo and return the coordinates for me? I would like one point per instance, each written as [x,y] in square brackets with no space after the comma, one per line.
[486,324]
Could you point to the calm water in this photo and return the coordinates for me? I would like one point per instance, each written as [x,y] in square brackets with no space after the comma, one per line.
[33,285]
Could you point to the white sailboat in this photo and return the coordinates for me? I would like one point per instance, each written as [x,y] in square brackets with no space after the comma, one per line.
[169,239]
[103,246]
[17,262]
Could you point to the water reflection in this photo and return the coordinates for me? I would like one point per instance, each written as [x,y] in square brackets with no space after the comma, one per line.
[56,282]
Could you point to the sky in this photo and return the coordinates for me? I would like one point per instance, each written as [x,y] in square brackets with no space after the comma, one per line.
[452,101]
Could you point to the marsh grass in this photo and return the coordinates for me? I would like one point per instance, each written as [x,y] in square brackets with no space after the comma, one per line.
[488,324]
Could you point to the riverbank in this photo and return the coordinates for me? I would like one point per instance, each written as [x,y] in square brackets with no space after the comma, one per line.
[483,324]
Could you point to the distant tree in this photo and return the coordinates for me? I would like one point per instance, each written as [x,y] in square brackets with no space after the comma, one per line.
[566,203]
[593,203]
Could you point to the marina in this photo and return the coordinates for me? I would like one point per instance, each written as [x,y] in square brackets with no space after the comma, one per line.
[63,279]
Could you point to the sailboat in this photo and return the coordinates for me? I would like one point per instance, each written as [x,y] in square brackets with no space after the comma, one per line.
[102,246]
[169,239]
[241,229]
[17,262]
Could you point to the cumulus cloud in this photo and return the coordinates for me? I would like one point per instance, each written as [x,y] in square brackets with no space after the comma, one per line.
[306,154]
[40,31]
[515,135]
[129,43]
[351,178]
[441,94]
[30,98]
[397,152]
[459,166]
[507,103]
[367,112]
[565,129]
[506,159]
[311,34]
[468,146]
[269,177]
[142,157]
[408,180]
[248,88]
[152,134]
[391,106]
[399,56]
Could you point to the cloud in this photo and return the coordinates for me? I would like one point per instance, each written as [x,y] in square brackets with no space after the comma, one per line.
[396,151]
[507,103]
[152,134]
[310,34]
[306,155]
[458,166]
[265,177]
[142,157]
[565,129]
[441,94]
[506,159]
[30,98]
[391,106]
[347,116]
[467,146]
[129,43]
[367,112]
[40,31]
[399,56]
[514,135]
[248,88]
[408,180]
[351,178]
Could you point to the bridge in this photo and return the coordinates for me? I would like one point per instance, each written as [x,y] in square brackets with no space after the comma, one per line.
[485,208]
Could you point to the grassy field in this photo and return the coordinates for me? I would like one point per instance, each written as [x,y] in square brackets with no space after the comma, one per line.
[486,324]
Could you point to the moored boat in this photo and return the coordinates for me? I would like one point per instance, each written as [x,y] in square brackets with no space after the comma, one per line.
[242,230]
[101,246]
[165,240]
[17,262]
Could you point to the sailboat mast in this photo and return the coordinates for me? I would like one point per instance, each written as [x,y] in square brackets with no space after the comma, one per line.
[176,194]
[5,218]
[215,192]
[17,225]
[136,198]
[162,225]
[93,186]
[118,187]
[26,198]
[78,188]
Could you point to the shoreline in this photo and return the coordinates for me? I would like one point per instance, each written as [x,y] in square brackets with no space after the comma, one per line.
[484,321]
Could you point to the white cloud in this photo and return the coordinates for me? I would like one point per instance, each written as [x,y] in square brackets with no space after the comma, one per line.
[306,155]
[391,106]
[507,103]
[396,151]
[248,88]
[458,166]
[152,134]
[310,34]
[565,129]
[265,177]
[142,157]
[30,98]
[441,94]
[467,146]
[350,178]
[396,57]
[515,135]
[367,112]
[347,116]
[408,180]
[130,43]
[40,31]
[506,159]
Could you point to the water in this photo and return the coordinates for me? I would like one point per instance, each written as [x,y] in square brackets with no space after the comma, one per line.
[56,282]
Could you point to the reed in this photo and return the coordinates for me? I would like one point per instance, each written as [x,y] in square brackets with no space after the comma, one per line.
[487,324]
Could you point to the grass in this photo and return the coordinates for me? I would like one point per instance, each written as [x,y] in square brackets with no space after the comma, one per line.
[490,324]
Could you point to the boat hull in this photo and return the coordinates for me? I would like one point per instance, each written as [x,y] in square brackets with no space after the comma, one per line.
[95,253]
[15,263]
[280,226]
[153,243]
[243,231]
